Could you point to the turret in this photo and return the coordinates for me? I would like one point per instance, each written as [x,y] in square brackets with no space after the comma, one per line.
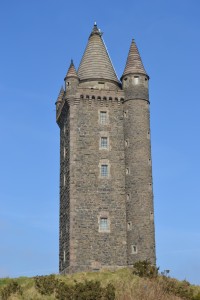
[71,79]
[139,194]
[135,79]
[60,97]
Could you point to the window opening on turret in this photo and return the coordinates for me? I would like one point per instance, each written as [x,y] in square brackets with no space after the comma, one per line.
[127,171]
[104,170]
[103,117]
[136,79]
[104,142]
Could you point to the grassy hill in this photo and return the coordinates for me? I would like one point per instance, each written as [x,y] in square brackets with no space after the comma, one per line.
[105,285]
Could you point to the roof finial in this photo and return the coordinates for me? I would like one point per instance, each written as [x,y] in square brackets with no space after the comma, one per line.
[95,23]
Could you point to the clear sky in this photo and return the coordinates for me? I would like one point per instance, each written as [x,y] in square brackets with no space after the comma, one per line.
[38,38]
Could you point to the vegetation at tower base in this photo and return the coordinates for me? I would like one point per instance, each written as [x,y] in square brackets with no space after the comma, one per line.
[122,284]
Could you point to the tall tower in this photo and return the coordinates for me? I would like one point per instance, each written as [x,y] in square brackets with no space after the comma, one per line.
[139,193]
[106,200]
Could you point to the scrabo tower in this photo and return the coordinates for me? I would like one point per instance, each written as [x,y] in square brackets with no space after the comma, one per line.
[106,198]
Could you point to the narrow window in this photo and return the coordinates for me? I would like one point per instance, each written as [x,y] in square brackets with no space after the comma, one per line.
[64,256]
[104,170]
[127,171]
[64,180]
[125,113]
[126,143]
[103,224]
[129,225]
[136,79]
[64,152]
[103,117]
[128,197]
[133,249]
[104,142]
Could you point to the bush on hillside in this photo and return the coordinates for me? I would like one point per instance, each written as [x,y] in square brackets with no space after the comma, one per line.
[196,297]
[88,290]
[46,285]
[64,291]
[145,269]
[12,288]
[180,289]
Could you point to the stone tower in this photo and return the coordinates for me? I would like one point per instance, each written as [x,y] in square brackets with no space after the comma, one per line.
[106,198]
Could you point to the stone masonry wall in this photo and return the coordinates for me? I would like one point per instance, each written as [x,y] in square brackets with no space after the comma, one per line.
[64,237]
[91,196]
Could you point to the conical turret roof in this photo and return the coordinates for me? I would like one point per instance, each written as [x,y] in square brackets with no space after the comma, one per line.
[96,63]
[61,93]
[71,71]
[134,63]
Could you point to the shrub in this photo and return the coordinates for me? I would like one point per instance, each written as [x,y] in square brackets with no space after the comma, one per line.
[196,297]
[12,288]
[88,290]
[145,269]
[64,291]
[45,285]
[180,289]
[109,292]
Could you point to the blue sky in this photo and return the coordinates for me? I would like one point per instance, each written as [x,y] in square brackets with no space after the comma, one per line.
[37,41]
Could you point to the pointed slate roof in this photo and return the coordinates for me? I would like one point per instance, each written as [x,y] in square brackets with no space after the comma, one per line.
[60,95]
[96,63]
[134,63]
[71,71]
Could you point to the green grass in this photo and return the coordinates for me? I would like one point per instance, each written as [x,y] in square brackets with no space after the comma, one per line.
[127,285]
